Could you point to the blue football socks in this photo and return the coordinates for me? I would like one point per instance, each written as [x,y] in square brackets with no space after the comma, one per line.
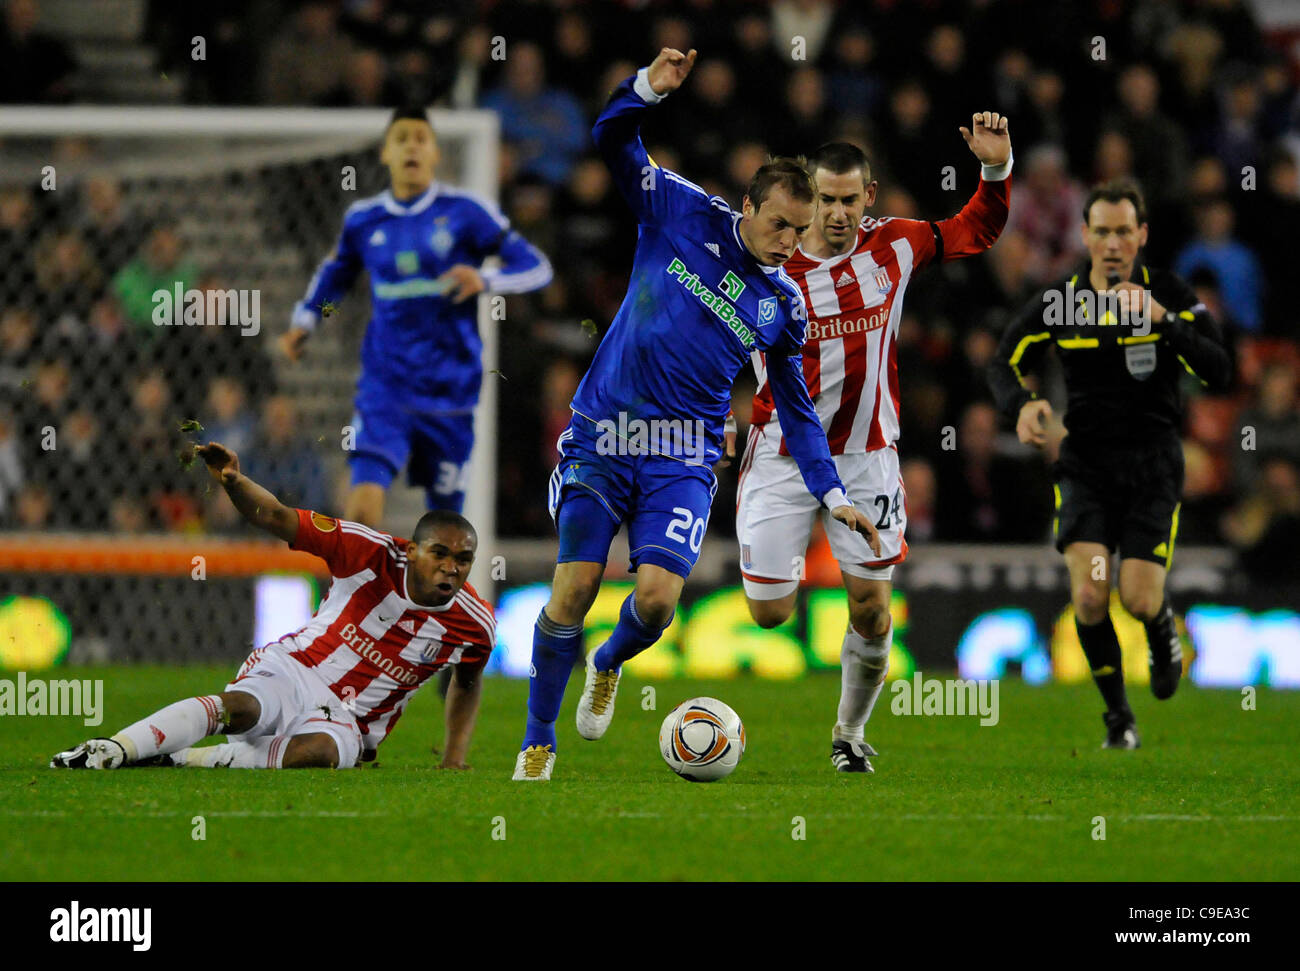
[631,636]
[555,649]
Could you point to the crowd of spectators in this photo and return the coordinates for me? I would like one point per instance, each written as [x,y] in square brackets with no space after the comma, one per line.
[1190,97]
[92,394]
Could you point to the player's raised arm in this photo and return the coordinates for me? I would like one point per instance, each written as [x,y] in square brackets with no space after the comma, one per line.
[331,281]
[254,503]
[981,220]
[648,189]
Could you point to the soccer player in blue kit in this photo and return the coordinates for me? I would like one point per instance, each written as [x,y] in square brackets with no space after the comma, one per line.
[424,244]
[706,291]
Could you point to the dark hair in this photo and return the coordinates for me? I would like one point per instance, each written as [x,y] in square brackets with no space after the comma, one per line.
[1117,190]
[408,111]
[440,517]
[790,174]
[839,158]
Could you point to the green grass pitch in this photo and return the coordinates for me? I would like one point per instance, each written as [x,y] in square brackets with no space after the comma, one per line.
[1214,794]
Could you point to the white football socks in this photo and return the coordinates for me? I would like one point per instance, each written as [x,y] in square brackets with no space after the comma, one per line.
[173,728]
[863,665]
[263,752]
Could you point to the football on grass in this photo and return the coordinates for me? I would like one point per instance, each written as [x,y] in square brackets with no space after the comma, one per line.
[702,740]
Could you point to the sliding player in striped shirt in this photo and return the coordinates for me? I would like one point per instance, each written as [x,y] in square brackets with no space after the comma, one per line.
[327,694]
[853,271]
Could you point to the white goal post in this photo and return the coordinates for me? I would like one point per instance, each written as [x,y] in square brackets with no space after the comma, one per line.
[182,142]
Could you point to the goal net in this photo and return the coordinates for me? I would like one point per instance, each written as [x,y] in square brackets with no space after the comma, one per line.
[100,208]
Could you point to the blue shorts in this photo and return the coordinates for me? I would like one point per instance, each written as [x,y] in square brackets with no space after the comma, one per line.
[434,449]
[664,501]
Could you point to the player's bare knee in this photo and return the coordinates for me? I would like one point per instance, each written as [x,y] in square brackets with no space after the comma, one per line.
[656,607]
[242,711]
[571,600]
[770,613]
[365,505]
[657,593]
[314,751]
[869,618]
[1091,602]
[1142,604]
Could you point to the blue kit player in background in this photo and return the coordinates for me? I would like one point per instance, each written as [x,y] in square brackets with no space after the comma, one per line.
[423,243]
[706,290]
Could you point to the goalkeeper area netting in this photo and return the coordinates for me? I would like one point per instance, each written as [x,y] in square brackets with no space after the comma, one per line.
[99,209]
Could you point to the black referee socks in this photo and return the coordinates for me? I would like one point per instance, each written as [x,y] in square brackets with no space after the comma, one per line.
[1101,648]
[1162,635]
[1165,652]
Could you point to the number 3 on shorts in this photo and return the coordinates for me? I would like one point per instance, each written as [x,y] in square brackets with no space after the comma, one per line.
[452,478]
[694,527]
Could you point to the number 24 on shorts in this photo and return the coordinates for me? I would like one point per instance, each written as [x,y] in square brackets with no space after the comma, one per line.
[888,509]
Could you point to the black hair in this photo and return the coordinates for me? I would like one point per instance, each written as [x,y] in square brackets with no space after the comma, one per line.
[1117,190]
[839,158]
[440,517]
[408,111]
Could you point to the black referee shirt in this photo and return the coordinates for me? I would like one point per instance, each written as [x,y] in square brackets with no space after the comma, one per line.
[1122,378]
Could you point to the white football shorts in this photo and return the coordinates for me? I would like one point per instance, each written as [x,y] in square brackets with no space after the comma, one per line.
[775,513]
[295,701]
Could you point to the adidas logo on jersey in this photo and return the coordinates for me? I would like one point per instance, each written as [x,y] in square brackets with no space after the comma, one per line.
[845,280]
[407,625]
[377,238]
[713,248]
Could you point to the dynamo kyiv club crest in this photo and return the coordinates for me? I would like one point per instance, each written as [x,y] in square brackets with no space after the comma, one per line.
[442,240]
[766,310]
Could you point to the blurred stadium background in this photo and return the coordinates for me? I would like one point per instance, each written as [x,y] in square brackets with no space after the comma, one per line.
[1198,99]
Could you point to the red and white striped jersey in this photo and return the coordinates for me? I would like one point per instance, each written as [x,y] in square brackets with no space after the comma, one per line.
[368,640]
[855,304]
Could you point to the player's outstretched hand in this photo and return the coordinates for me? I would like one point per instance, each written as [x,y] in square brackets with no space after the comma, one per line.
[1031,428]
[460,766]
[293,341]
[988,137]
[669,70]
[859,521]
[464,282]
[222,462]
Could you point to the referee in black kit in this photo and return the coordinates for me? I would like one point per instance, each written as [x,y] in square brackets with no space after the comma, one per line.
[1125,334]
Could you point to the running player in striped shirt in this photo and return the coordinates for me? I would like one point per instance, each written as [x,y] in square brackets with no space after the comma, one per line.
[327,694]
[853,271]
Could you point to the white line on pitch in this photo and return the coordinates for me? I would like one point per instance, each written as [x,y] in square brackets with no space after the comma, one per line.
[233,813]
[905,817]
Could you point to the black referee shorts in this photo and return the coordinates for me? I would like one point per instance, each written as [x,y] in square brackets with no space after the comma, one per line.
[1126,498]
